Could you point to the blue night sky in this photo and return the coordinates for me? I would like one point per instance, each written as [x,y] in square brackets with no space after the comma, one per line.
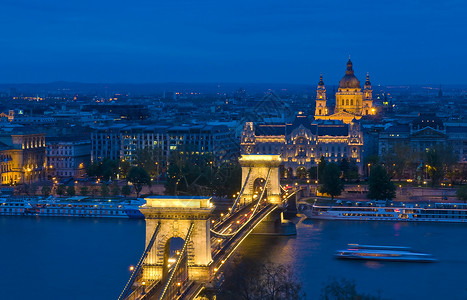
[288,41]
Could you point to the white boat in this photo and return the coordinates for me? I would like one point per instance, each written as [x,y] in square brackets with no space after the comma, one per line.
[383,253]
[438,212]
[71,207]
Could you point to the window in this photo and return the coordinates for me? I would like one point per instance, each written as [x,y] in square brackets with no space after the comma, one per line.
[347,102]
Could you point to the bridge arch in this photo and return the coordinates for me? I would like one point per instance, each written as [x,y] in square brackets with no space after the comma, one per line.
[256,167]
[176,215]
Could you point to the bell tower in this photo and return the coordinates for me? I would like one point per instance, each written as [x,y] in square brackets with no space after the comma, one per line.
[368,108]
[367,91]
[321,109]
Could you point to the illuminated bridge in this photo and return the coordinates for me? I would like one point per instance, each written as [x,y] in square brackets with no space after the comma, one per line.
[186,247]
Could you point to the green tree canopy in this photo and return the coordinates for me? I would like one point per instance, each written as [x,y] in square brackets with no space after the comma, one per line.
[70,191]
[438,160]
[84,191]
[115,189]
[398,160]
[191,173]
[331,182]
[461,193]
[349,169]
[106,169]
[149,159]
[61,189]
[321,166]
[46,191]
[251,280]
[104,190]
[380,185]
[124,168]
[126,190]
[139,178]
[301,172]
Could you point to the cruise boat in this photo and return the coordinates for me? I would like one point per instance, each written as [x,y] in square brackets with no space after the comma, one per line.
[14,206]
[383,253]
[72,207]
[438,212]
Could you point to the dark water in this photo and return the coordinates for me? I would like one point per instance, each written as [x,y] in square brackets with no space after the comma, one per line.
[73,258]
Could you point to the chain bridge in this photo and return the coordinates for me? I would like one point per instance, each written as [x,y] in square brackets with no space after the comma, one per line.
[187,246]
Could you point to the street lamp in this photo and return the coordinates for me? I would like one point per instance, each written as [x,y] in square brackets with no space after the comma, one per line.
[144,285]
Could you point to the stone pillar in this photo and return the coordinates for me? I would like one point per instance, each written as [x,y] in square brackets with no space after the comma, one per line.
[176,214]
[259,165]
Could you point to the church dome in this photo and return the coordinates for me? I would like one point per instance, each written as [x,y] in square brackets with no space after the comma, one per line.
[349,81]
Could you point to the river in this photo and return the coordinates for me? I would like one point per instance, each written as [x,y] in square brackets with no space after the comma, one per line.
[79,258]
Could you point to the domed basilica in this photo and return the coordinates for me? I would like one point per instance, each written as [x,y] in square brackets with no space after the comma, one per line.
[304,141]
[351,102]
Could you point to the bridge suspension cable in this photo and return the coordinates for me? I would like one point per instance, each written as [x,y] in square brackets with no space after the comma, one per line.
[241,191]
[171,275]
[227,235]
[140,263]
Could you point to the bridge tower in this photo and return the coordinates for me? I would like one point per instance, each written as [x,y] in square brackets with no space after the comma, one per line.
[175,216]
[256,167]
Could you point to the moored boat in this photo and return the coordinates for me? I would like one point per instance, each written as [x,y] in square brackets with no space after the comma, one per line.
[72,207]
[438,212]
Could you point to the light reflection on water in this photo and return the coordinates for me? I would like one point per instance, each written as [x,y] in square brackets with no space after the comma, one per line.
[47,258]
[310,254]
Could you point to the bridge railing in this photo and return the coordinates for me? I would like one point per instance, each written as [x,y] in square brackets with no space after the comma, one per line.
[137,269]
[227,235]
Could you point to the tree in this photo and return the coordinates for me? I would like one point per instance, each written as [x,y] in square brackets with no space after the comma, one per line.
[332,183]
[148,159]
[380,185]
[124,168]
[349,169]
[84,191]
[461,193]
[126,190]
[251,280]
[371,160]
[46,191]
[104,190]
[398,160]
[94,192]
[191,173]
[438,160]
[106,169]
[61,190]
[115,189]
[343,289]
[321,166]
[70,191]
[301,172]
[33,189]
[139,178]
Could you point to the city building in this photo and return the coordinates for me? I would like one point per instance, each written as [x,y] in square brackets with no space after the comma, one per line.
[122,142]
[423,133]
[303,142]
[351,102]
[68,156]
[23,157]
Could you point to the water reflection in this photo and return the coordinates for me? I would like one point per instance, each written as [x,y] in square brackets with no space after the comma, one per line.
[310,254]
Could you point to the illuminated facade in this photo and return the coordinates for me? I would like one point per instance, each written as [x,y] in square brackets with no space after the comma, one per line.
[351,102]
[68,157]
[302,143]
[23,158]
